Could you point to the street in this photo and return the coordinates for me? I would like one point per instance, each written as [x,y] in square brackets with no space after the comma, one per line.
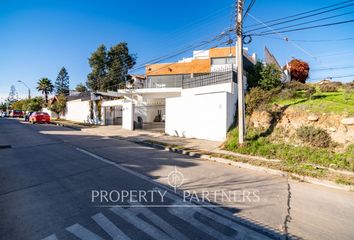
[59,183]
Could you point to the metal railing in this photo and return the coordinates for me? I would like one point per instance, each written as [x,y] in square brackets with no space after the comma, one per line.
[184,80]
[209,79]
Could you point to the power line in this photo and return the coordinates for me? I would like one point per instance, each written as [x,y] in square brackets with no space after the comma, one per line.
[179,52]
[300,18]
[171,64]
[310,40]
[204,19]
[335,77]
[312,21]
[249,8]
[299,14]
[294,44]
[304,28]
[331,68]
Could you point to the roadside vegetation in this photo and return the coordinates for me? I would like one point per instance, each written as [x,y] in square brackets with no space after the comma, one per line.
[309,150]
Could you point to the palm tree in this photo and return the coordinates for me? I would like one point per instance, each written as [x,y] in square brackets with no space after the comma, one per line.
[46,87]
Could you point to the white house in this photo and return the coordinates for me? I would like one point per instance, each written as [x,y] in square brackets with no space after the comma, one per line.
[195,97]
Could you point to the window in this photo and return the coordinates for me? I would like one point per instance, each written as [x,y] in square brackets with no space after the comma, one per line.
[223,61]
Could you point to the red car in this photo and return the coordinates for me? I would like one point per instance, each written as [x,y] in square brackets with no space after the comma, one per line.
[16,113]
[39,117]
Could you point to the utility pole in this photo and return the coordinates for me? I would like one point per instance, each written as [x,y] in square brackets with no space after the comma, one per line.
[240,85]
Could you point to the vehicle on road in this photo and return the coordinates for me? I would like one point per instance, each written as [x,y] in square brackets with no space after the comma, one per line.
[27,116]
[39,117]
[16,113]
[4,115]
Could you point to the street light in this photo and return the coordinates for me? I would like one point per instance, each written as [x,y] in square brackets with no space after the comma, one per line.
[29,90]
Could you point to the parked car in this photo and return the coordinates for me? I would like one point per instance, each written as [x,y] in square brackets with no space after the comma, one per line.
[4,115]
[27,116]
[39,117]
[16,113]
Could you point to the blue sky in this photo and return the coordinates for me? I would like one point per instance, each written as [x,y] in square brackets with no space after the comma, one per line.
[38,37]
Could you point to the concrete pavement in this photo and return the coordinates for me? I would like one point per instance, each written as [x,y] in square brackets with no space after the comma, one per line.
[48,175]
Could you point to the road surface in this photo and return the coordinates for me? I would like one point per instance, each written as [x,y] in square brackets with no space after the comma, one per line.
[58,183]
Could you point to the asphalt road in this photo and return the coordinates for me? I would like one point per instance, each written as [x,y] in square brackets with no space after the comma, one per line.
[58,183]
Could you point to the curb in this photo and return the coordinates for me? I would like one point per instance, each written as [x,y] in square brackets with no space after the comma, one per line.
[275,172]
[67,126]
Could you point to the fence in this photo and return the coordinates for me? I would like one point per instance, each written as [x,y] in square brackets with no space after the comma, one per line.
[209,79]
[184,80]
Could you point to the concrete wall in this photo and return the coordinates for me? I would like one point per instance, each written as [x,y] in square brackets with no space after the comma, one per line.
[78,111]
[201,113]
[128,113]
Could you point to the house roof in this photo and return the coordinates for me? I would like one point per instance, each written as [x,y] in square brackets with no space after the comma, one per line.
[270,59]
[84,96]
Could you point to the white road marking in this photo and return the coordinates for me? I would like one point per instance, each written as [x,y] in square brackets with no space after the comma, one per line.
[187,215]
[51,237]
[109,227]
[83,233]
[140,223]
[169,229]
[227,215]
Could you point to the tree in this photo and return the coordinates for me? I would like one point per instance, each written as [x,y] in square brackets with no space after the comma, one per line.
[62,82]
[46,87]
[18,105]
[270,77]
[3,106]
[254,75]
[59,105]
[109,69]
[13,96]
[299,70]
[119,61]
[80,88]
[34,104]
[98,64]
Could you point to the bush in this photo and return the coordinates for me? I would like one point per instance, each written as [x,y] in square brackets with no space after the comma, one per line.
[270,77]
[287,93]
[315,137]
[257,98]
[297,86]
[328,87]
[309,92]
[350,85]
[254,75]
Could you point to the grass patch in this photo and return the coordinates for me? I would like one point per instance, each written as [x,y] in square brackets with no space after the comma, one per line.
[295,158]
[72,123]
[340,102]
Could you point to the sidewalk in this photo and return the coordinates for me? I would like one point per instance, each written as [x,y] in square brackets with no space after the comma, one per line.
[158,137]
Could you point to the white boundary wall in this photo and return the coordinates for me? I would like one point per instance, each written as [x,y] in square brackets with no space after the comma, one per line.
[78,111]
[198,114]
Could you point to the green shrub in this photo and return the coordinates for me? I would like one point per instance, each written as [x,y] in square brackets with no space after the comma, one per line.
[297,86]
[328,87]
[287,93]
[316,137]
[309,92]
[270,77]
[350,85]
[257,99]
